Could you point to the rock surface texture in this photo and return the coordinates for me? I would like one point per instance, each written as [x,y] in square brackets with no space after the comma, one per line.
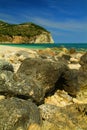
[69,117]
[17,114]
[83,77]
[40,90]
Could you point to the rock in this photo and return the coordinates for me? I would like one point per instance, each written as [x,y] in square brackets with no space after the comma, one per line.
[82,95]
[64,50]
[4,65]
[72,51]
[21,58]
[74,66]
[43,72]
[44,38]
[13,59]
[47,52]
[74,60]
[5,81]
[66,57]
[62,56]
[22,52]
[71,117]
[2,55]
[60,98]
[13,86]
[82,79]
[37,78]
[70,81]
[2,97]
[83,62]
[18,114]
[77,55]
[65,79]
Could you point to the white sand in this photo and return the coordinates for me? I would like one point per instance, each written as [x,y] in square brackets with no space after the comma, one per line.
[8,48]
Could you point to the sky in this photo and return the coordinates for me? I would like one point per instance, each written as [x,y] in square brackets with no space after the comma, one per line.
[65,19]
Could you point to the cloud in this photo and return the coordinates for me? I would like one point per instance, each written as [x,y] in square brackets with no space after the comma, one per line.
[68,25]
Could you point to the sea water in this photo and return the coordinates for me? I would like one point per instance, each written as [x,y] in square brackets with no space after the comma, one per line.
[77,46]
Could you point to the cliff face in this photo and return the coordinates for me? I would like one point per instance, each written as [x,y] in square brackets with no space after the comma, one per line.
[24,33]
[44,38]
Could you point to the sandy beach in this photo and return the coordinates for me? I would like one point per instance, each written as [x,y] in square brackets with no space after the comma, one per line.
[8,49]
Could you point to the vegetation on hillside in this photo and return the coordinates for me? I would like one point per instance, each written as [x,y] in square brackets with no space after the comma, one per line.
[25,29]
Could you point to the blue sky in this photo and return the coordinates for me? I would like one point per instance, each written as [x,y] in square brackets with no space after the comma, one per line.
[65,19]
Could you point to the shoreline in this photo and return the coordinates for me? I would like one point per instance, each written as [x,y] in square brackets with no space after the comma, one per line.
[77,46]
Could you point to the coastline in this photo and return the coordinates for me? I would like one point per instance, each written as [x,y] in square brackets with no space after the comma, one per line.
[77,46]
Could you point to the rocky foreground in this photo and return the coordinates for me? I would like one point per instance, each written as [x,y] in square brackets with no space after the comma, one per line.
[43,89]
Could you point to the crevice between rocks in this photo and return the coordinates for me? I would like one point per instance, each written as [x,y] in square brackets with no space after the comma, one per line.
[20,96]
[58,85]
[10,94]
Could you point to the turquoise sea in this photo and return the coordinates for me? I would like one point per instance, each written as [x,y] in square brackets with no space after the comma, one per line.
[78,46]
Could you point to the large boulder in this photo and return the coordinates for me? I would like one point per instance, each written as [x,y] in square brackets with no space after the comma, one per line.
[18,114]
[44,73]
[71,117]
[37,78]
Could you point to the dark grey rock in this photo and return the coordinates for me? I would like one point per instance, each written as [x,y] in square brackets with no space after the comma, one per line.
[83,62]
[82,78]
[13,86]
[66,57]
[68,81]
[4,65]
[44,73]
[83,74]
[16,114]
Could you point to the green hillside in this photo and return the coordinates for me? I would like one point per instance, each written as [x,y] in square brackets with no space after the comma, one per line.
[23,33]
[26,29]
